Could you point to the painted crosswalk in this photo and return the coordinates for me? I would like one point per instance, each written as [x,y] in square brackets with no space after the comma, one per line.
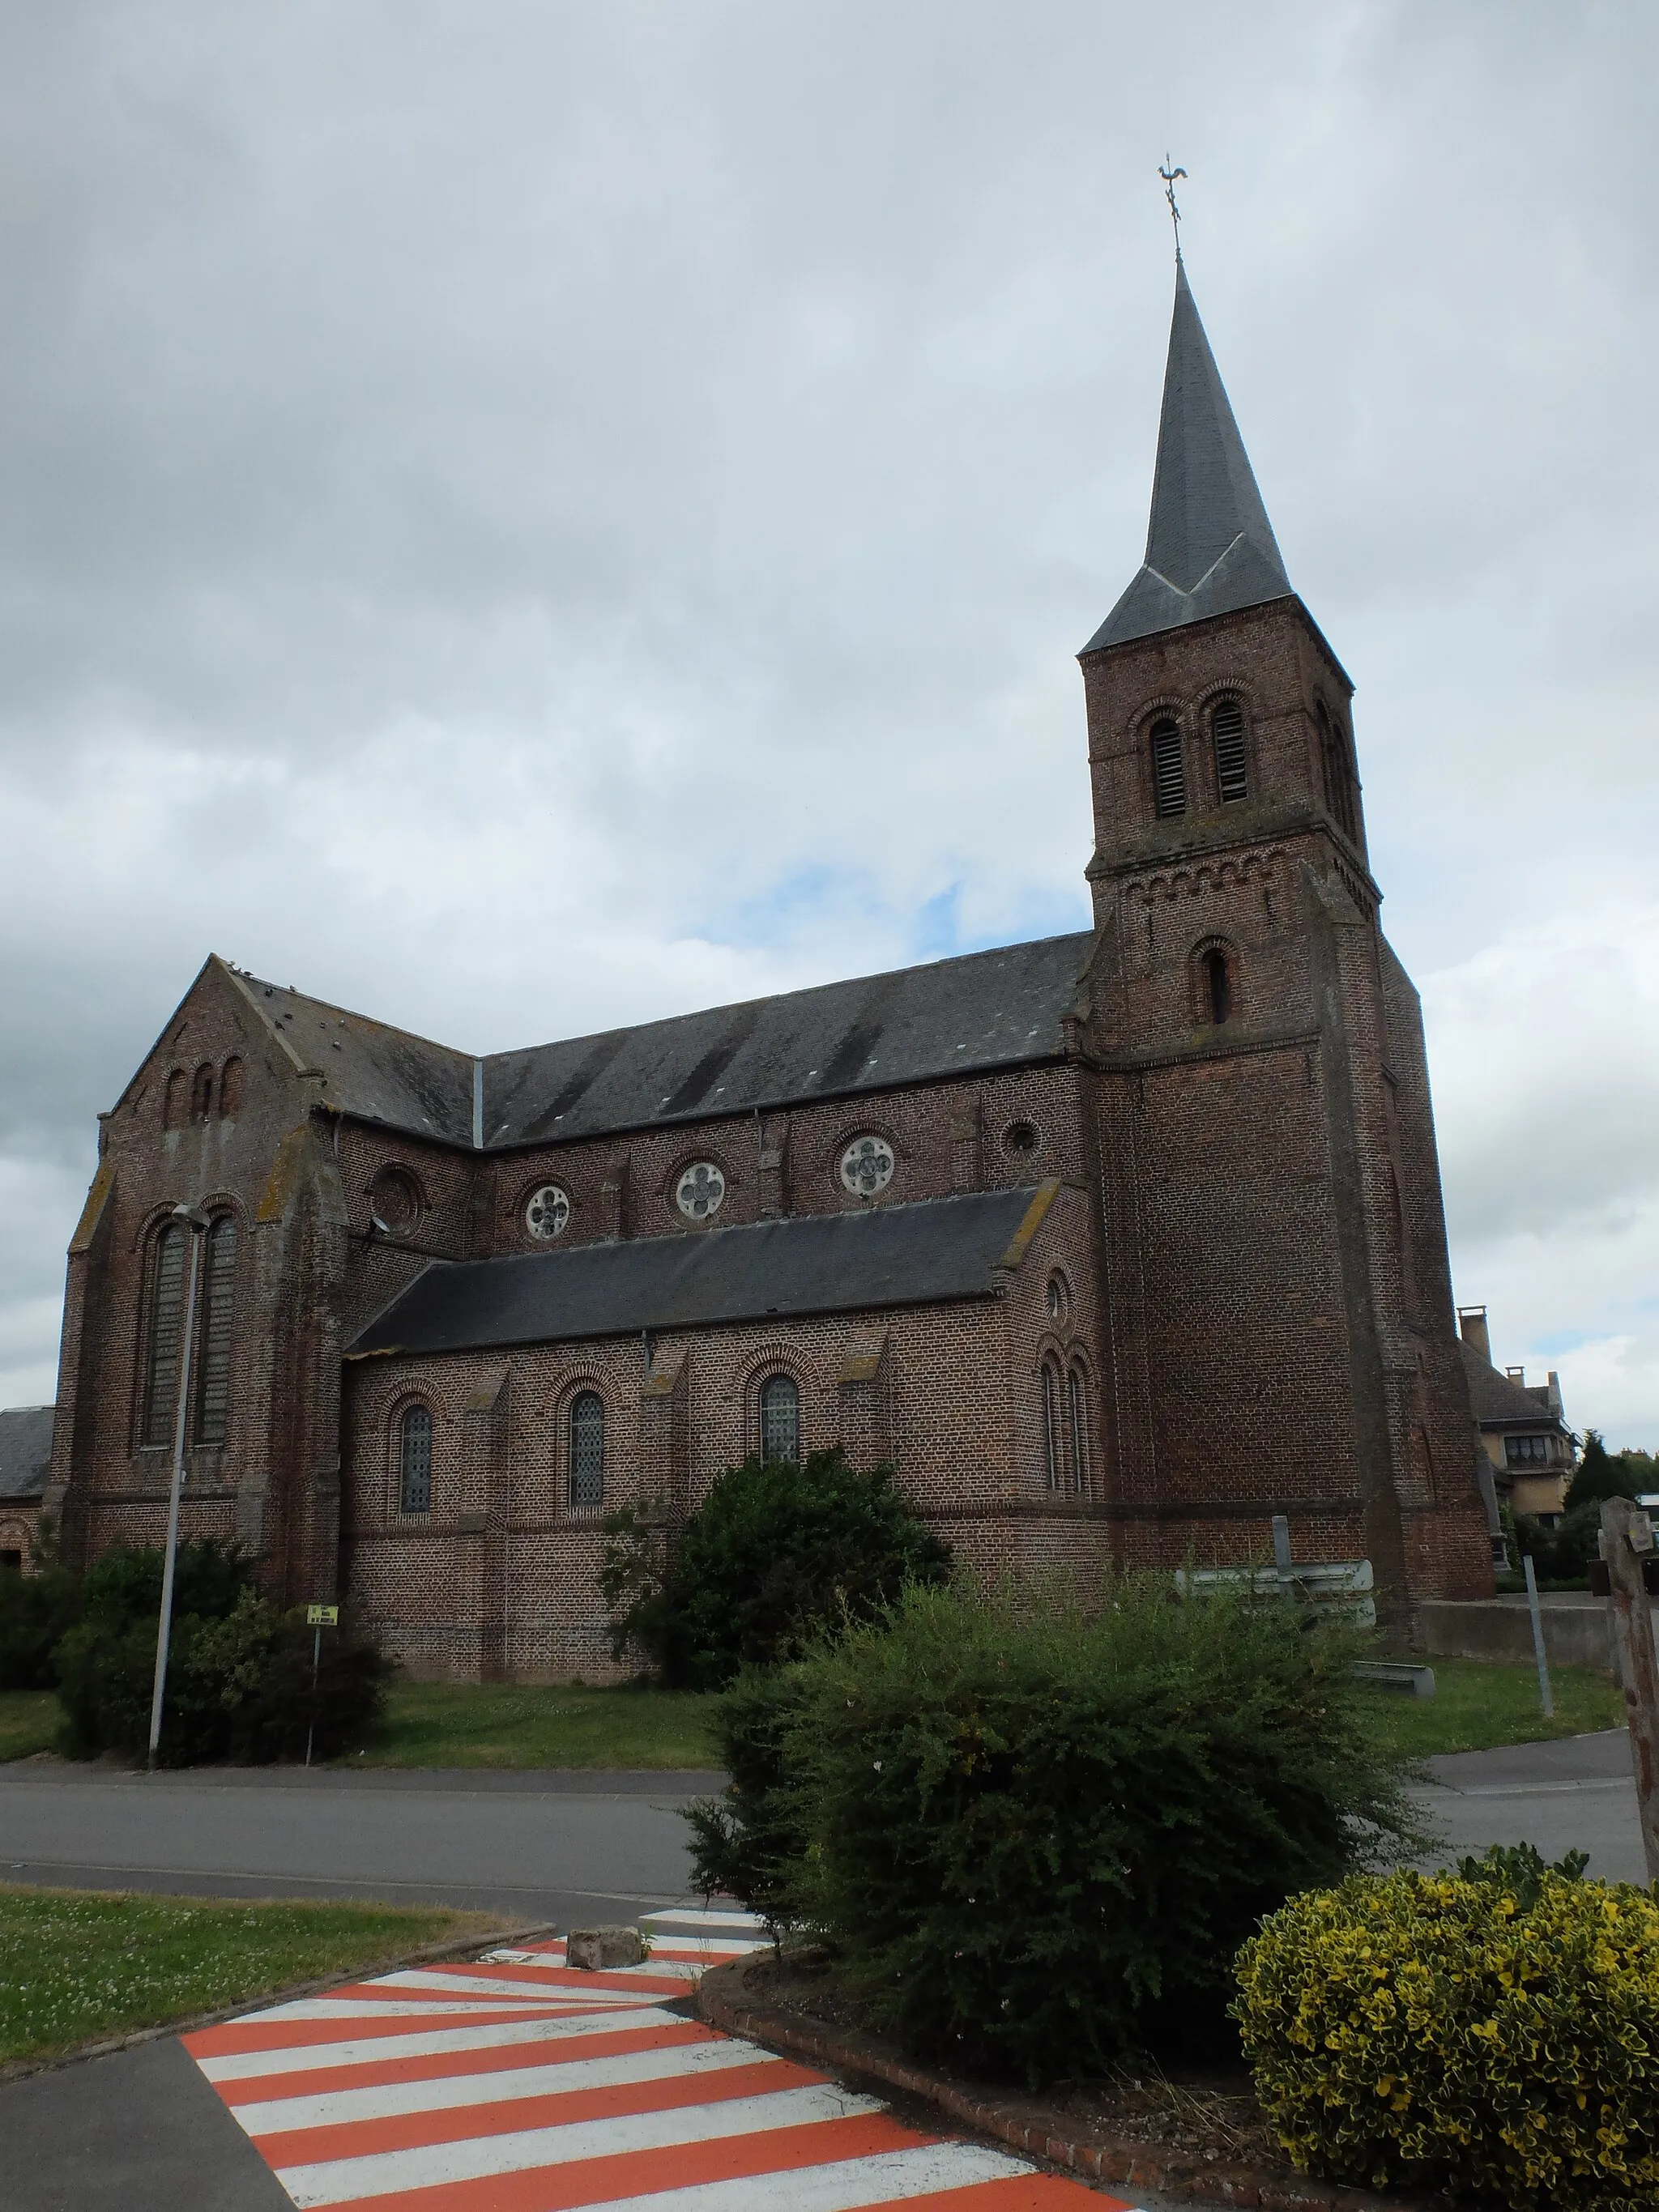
[514,2083]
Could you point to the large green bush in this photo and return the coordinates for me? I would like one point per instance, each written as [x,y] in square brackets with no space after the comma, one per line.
[1038,1836]
[747,1842]
[774,1553]
[1496,2031]
[37,1609]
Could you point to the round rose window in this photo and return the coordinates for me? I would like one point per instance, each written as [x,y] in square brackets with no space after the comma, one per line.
[548,1212]
[700,1190]
[867,1165]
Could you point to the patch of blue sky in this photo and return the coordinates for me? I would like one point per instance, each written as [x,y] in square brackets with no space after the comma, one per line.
[1564,1340]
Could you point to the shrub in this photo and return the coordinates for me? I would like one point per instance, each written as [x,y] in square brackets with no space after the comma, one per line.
[773,1553]
[1038,1837]
[747,1842]
[36,1611]
[1498,2034]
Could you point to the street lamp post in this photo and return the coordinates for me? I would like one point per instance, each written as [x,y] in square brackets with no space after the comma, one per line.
[194,1222]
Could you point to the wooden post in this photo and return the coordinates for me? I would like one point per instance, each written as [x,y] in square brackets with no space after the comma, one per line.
[1627,1543]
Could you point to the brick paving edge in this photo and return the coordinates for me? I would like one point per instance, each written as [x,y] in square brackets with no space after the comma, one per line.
[18,2069]
[720,2003]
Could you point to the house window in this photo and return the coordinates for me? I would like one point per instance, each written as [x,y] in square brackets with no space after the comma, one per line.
[1527,1451]
[1218,985]
[1052,1469]
[586,1448]
[414,1462]
[1169,774]
[218,1308]
[166,1335]
[779,1419]
[1077,1407]
[1227,731]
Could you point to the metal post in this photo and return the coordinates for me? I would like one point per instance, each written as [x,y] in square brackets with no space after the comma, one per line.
[195,1223]
[1538,1652]
[1627,1543]
[316,1663]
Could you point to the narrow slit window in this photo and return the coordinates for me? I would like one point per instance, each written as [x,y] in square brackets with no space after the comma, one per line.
[1169,772]
[414,1462]
[167,1329]
[218,1313]
[1077,1400]
[1339,775]
[779,1419]
[586,1448]
[1052,1469]
[1227,728]
[1218,986]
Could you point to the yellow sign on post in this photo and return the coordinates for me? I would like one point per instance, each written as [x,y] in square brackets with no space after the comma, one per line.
[322,1616]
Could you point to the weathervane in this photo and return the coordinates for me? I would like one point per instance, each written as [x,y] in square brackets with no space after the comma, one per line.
[1168,176]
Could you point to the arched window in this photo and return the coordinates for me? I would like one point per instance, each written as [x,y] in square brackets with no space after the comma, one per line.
[218,1310]
[177,1093]
[1339,775]
[201,1094]
[1169,772]
[1218,985]
[1077,1407]
[230,1089]
[587,1449]
[165,1337]
[1053,1450]
[1227,732]
[780,1419]
[414,1462]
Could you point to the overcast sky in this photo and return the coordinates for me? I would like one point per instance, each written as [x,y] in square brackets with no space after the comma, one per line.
[520,517]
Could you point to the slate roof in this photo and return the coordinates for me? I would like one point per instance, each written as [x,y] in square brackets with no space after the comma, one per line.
[1004,1008]
[24,1449]
[882,1256]
[1494,1399]
[1210,547]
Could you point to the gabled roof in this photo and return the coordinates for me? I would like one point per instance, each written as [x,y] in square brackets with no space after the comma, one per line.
[1494,1399]
[882,1256]
[1004,1008]
[24,1449]
[1210,547]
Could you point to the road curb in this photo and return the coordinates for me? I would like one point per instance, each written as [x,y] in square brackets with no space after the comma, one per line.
[723,2002]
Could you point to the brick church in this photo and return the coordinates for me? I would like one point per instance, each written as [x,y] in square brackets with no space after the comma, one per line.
[1117,1244]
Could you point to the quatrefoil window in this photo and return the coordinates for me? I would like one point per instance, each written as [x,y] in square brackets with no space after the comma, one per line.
[700,1190]
[548,1214]
[866,1166]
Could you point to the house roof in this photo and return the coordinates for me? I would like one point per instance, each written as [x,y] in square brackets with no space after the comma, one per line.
[24,1449]
[1002,1008]
[1210,547]
[1497,1402]
[881,1256]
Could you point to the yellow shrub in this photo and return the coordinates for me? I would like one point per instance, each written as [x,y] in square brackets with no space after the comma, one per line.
[1429,2030]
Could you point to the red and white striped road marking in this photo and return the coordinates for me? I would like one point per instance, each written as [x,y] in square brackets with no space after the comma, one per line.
[510,2083]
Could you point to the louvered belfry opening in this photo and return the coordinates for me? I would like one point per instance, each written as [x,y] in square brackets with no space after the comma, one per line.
[1338,776]
[586,1448]
[218,1312]
[1227,729]
[1168,774]
[167,1326]
[1218,985]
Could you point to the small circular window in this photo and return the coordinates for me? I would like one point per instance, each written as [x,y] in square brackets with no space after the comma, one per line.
[1021,1136]
[1059,1298]
[700,1191]
[866,1166]
[548,1214]
[394,1201]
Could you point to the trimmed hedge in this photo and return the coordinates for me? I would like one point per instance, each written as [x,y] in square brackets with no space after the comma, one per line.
[1038,1838]
[1495,2031]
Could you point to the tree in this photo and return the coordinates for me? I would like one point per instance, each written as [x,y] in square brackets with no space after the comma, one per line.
[775,1554]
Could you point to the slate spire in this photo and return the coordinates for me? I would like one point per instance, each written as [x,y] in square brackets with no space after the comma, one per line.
[1210,547]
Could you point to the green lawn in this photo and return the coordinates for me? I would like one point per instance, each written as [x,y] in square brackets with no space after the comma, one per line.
[1481,1704]
[28,1721]
[505,1725]
[79,1966]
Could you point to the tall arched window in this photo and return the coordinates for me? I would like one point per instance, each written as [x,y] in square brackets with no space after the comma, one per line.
[230,1088]
[177,1094]
[1077,1407]
[414,1462]
[1169,772]
[218,1311]
[587,1449]
[1227,732]
[780,1419]
[1052,1448]
[165,1337]
[201,1094]
[1339,775]
[1218,985]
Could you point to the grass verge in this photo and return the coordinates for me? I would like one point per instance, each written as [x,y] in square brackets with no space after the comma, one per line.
[1480,1704]
[506,1724]
[80,1967]
[28,1721]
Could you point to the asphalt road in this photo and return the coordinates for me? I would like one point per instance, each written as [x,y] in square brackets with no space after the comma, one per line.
[1576,1794]
[556,1846]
